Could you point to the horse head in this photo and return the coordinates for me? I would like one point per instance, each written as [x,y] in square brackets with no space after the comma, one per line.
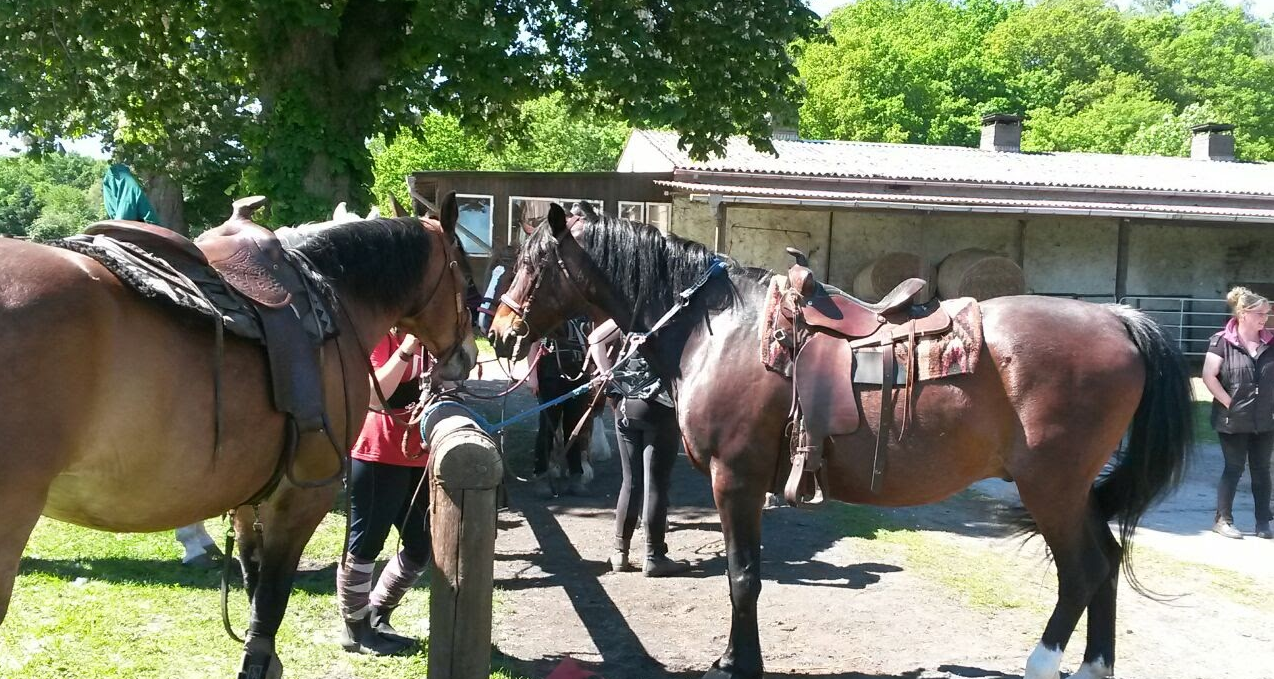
[553,279]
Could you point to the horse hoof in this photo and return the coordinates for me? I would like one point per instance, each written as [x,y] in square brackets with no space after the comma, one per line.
[718,673]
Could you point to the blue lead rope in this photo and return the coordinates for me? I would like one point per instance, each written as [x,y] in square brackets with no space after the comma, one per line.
[498,427]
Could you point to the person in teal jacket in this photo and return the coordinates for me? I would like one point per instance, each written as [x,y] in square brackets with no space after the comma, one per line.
[125,198]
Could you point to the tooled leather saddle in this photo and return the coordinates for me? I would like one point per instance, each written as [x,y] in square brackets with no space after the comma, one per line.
[838,340]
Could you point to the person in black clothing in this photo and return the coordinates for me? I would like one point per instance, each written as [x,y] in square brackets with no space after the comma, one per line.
[559,370]
[649,438]
[1239,371]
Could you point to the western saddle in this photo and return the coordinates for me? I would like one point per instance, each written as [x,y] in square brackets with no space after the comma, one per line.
[241,271]
[831,333]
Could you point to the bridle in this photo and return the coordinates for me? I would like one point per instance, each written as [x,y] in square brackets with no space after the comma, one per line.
[522,309]
[451,262]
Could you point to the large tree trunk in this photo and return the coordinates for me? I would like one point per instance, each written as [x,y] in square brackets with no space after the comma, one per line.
[167,198]
[318,94]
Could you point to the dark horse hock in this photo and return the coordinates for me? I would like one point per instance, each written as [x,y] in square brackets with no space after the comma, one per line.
[107,400]
[1057,385]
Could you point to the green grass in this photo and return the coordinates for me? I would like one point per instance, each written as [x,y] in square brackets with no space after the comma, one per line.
[1203,431]
[92,604]
[986,580]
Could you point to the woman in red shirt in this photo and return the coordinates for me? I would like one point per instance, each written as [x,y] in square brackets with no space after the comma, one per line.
[385,487]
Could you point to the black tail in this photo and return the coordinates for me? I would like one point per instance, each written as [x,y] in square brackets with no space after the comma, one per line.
[1160,439]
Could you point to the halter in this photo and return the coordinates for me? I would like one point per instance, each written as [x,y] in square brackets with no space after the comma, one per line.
[451,261]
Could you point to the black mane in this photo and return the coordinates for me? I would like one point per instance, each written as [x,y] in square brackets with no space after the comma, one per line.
[646,267]
[379,261]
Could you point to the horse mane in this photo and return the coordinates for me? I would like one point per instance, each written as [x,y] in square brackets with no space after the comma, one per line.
[378,261]
[644,265]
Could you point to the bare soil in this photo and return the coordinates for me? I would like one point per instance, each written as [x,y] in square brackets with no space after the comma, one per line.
[848,593]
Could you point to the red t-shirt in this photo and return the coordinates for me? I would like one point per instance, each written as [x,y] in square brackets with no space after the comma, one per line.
[381,439]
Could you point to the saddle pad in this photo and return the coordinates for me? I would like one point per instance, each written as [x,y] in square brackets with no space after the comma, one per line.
[155,278]
[953,353]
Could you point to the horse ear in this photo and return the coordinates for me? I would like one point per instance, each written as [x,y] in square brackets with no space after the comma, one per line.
[588,210]
[397,207]
[449,213]
[374,213]
[557,219]
[340,214]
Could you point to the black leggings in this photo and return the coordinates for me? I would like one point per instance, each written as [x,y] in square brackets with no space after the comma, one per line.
[1255,450]
[648,443]
[379,497]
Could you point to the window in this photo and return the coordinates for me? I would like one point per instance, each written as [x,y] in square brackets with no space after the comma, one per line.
[659,215]
[633,212]
[525,213]
[477,214]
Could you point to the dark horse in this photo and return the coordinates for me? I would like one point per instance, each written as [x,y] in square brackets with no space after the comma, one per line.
[106,404]
[1058,384]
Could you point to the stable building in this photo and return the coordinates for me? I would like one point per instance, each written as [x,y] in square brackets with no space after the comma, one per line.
[1166,234]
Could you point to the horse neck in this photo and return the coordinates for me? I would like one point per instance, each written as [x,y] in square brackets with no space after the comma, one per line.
[665,348]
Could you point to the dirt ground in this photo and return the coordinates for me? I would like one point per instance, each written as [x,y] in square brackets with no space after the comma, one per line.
[856,593]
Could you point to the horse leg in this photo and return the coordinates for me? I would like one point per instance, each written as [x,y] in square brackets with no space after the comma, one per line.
[1099,654]
[20,505]
[1067,523]
[739,502]
[288,519]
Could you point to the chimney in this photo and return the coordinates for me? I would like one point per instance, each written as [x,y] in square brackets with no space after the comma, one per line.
[1212,141]
[1001,132]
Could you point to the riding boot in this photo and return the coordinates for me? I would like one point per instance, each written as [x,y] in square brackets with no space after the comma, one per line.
[360,637]
[658,565]
[619,558]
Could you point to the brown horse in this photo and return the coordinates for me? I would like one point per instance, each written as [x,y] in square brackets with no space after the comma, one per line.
[106,406]
[1058,384]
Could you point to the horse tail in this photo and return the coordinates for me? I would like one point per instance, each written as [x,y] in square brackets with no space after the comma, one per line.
[1160,438]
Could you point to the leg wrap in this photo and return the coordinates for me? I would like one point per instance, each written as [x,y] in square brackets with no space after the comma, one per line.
[354,586]
[398,577]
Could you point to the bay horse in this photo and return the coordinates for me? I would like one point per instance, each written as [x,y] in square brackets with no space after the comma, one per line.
[1058,384]
[107,403]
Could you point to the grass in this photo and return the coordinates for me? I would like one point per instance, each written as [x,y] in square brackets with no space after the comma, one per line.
[89,604]
[1203,431]
[986,580]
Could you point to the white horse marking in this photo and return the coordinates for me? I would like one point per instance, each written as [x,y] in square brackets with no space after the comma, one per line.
[1097,669]
[1044,663]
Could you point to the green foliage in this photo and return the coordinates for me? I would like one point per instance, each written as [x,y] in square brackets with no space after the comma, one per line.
[901,71]
[50,196]
[296,88]
[555,138]
[1088,76]
[19,208]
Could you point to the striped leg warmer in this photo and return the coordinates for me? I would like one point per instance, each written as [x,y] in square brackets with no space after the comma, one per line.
[354,586]
[398,577]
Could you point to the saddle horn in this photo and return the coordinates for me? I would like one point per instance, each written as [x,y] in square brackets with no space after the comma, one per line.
[245,207]
[799,256]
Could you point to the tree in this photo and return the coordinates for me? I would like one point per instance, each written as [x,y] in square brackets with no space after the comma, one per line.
[300,87]
[903,71]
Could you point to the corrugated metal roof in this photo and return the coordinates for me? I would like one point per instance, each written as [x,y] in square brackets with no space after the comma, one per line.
[909,201]
[960,164]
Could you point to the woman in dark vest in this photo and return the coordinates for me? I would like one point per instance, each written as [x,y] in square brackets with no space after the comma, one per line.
[649,439]
[1239,371]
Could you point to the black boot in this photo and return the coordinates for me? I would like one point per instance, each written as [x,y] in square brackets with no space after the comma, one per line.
[361,637]
[658,565]
[379,620]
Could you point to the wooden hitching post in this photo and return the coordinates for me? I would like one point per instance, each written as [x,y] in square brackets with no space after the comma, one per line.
[465,469]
